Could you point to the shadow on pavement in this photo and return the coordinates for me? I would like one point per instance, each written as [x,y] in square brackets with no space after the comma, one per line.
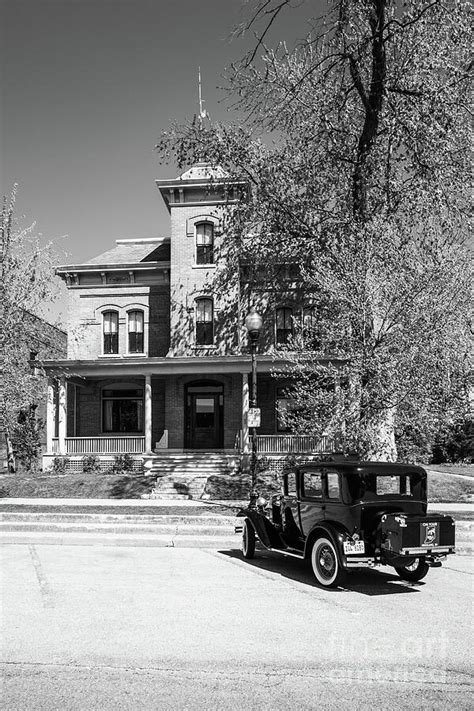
[366,582]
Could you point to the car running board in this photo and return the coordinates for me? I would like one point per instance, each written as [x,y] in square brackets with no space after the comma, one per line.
[299,554]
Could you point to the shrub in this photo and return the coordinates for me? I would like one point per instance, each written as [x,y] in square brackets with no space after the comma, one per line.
[455,443]
[123,464]
[91,464]
[59,465]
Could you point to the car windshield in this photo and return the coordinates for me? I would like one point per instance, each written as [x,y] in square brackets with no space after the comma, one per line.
[369,485]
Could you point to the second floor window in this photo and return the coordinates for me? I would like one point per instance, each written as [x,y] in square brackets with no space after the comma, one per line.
[204,322]
[310,328]
[205,243]
[284,325]
[135,332]
[110,325]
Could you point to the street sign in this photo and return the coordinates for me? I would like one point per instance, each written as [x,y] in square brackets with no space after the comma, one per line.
[254,417]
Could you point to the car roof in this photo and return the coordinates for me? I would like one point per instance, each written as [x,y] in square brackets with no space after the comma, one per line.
[385,467]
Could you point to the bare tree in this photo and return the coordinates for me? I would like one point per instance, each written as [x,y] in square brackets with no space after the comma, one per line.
[364,185]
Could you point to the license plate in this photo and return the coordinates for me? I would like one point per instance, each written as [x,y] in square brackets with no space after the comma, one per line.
[354,547]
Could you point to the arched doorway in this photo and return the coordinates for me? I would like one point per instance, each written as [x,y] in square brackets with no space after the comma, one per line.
[204,415]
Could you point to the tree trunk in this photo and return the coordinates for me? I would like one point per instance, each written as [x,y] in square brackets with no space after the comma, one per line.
[11,459]
[383,447]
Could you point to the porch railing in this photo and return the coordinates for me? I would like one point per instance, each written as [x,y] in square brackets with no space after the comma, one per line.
[294,444]
[102,445]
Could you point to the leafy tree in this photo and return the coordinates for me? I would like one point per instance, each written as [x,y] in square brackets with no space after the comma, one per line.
[26,285]
[26,438]
[355,151]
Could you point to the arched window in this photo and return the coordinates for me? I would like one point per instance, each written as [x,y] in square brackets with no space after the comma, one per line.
[204,243]
[122,408]
[284,325]
[204,322]
[135,331]
[110,330]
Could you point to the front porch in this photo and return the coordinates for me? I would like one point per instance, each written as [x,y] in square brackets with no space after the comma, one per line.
[266,445]
[166,407]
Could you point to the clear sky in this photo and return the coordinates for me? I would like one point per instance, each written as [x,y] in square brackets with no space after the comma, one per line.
[87,86]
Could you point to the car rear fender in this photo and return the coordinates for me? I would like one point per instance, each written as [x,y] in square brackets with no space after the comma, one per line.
[334,531]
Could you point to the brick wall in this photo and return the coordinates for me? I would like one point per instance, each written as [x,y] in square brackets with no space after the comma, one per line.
[86,305]
[188,281]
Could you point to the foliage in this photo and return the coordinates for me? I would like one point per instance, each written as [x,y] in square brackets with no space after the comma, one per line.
[455,443]
[26,439]
[26,286]
[123,464]
[59,465]
[364,188]
[91,464]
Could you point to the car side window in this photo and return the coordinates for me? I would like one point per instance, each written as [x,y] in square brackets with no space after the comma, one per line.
[312,485]
[333,484]
[290,484]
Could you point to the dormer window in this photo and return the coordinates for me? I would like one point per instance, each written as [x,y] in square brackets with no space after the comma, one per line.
[135,331]
[110,327]
[204,243]
[204,322]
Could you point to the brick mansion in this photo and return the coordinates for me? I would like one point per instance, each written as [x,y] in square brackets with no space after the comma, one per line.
[158,362]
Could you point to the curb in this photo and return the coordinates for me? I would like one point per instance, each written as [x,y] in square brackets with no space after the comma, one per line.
[128,540]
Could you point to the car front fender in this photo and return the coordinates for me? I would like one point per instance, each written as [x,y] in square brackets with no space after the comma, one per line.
[265,530]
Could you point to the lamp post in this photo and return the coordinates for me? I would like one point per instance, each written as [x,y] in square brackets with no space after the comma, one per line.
[253,324]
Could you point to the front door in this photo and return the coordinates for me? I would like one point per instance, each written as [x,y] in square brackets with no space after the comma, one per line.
[204,417]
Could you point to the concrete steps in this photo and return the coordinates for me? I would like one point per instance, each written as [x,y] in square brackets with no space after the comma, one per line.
[184,474]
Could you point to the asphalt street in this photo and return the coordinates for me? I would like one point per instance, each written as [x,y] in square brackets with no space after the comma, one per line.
[92,627]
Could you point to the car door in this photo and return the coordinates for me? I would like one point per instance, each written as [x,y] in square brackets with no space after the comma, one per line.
[291,531]
[312,506]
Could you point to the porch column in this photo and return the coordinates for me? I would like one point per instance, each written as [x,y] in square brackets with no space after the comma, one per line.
[245,415]
[62,416]
[50,414]
[148,414]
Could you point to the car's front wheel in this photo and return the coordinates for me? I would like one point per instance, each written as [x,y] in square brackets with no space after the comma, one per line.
[248,540]
[325,562]
[414,571]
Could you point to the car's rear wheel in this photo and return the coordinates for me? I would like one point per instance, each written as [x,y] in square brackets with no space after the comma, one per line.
[325,562]
[248,540]
[414,571]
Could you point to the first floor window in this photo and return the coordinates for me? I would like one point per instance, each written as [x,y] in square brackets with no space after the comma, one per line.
[284,404]
[204,322]
[284,325]
[122,410]
[135,332]
[110,325]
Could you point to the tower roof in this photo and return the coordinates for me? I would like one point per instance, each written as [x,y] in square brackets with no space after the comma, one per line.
[204,171]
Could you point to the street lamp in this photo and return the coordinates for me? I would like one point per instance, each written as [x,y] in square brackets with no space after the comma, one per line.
[253,324]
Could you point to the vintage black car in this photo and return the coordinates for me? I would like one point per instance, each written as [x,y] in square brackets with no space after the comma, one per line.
[351,514]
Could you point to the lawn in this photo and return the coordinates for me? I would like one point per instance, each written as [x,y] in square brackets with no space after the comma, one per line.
[76,486]
[463,469]
[442,488]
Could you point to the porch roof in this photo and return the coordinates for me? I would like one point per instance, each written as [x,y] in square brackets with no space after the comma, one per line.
[132,366]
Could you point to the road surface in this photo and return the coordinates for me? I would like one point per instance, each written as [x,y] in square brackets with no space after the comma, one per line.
[91,627]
